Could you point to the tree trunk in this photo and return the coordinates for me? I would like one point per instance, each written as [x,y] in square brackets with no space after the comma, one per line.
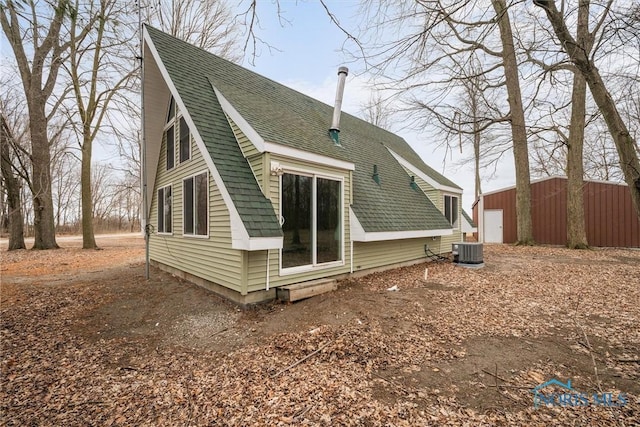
[88,237]
[476,146]
[624,142]
[520,145]
[576,233]
[38,90]
[16,221]
[43,220]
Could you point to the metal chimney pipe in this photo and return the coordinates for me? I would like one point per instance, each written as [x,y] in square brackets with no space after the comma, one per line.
[342,77]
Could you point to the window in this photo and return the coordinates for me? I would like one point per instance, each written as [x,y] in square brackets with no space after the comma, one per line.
[451,210]
[164,210]
[311,211]
[185,141]
[195,193]
[170,147]
[169,134]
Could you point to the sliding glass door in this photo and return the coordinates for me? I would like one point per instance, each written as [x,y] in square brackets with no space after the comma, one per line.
[311,210]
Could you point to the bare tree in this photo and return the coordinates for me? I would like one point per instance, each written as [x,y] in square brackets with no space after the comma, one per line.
[98,71]
[427,61]
[31,32]
[377,110]
[102,191]
[576,227]
[66,186]
[578,52]
[208,24]
[12,185]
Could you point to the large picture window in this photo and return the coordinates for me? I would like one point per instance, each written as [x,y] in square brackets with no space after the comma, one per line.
[311,210]
[195,193]
[164,210]
[451,210]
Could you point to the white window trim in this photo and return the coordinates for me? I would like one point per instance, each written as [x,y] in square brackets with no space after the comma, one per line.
[165,233]
[286,271]
[196,236]
[455,226]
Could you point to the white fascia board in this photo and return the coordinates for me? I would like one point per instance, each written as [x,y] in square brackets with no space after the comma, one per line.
[294,153]
[239,235]
[466,226]
[244,126]
[358,234]
[399,235]
[154,115]
[257,243]
[417,172]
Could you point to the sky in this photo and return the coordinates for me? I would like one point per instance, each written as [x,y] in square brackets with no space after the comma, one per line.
[307,54]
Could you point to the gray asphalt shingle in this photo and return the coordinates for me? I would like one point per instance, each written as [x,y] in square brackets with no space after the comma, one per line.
[284,116]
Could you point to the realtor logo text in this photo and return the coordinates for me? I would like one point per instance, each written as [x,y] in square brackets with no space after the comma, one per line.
[573,398]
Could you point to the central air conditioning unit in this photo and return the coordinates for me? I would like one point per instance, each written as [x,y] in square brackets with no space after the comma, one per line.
[468,254]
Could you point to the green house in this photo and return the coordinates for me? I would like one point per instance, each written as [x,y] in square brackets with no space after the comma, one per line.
[249,190]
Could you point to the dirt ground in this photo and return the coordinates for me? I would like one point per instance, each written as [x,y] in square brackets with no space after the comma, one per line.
[86,340]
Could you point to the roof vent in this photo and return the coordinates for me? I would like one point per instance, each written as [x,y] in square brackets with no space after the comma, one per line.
[376,176]
[413,183]
[334,130]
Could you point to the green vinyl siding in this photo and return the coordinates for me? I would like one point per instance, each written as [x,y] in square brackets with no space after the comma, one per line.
[247,147]
[377,254]
[255,158]
[196,255]
[432,193]
[257,260]
[437,198]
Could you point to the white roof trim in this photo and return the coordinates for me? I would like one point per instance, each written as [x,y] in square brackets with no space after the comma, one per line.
[417,172]
[239,236]
[245,127]
[466,226]
[294,153]
[258,243]
[358,234]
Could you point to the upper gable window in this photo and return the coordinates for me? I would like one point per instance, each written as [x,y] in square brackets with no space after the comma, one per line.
[169,135]
[185,141]
[172,110]
[176,127]
[451,210]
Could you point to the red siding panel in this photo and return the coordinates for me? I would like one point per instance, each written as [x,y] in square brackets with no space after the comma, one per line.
[610,219]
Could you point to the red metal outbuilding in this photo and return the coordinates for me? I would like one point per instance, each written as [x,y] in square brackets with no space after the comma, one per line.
[610,218]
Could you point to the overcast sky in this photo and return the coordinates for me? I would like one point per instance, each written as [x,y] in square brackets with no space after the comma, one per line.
[309,52]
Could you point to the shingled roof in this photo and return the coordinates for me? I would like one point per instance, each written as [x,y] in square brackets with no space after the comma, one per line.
[284,116]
